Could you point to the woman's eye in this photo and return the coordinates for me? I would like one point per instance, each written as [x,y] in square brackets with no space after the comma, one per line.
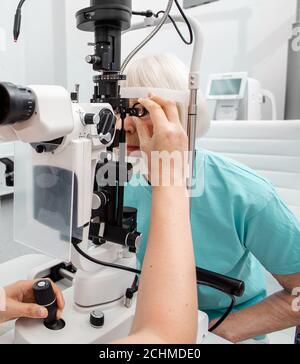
[139,110]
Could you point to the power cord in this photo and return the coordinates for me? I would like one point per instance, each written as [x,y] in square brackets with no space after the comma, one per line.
[226,314]
[18,19]
[187,42]
[149,37]
[99,262]
[130,292]
[150,13]
[134,288]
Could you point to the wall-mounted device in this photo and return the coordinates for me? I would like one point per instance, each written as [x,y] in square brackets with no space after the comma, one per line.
[238,97]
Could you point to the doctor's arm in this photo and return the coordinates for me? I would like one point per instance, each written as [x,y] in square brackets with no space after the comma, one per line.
[167,298]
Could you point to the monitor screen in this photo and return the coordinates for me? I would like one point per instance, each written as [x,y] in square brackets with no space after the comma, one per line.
[226,87]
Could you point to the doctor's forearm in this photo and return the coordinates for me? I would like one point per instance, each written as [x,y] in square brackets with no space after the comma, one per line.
[167,294]
[273,314]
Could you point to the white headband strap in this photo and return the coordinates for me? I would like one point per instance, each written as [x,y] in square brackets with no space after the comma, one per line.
[143,92]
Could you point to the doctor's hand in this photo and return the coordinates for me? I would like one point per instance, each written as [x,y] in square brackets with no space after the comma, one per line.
[168,136]
[168,133]
[19,302]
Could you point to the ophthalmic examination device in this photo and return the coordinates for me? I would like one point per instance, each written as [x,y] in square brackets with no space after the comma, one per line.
[69,185]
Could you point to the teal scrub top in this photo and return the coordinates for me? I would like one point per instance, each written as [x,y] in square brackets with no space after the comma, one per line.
[239,225]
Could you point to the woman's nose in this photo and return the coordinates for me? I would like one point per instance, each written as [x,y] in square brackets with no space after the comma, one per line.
[129,125]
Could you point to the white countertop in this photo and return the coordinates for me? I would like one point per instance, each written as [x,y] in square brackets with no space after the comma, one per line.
[18,268]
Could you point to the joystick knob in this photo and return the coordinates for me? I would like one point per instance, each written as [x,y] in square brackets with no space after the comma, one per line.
[44,295]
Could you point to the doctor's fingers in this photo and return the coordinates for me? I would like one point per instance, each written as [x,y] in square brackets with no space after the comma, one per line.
[169,107]
[157,114]
[15,309]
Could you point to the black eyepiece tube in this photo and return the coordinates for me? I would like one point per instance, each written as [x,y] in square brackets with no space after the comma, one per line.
[17,103]
[223,283]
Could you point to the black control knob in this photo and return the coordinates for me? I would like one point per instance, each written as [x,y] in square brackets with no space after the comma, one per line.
[44,296]
[40,148]
[97,319]
[91,119]
[93,60]
[107,125]
[99,200]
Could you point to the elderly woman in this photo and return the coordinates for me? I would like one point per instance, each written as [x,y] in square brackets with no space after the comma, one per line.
[239,223]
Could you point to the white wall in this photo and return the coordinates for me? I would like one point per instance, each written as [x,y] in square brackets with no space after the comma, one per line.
[240,35]
[78,70]
[11,58]
[39,56]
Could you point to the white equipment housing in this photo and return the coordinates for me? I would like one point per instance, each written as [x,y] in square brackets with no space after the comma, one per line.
[238,97]
[118,322]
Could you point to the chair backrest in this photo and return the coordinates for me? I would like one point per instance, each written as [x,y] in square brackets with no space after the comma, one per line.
[271,148]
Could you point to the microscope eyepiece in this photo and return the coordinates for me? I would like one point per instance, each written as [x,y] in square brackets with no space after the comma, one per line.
[17,103]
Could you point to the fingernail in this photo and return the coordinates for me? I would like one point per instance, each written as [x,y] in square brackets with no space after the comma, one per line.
[42,312]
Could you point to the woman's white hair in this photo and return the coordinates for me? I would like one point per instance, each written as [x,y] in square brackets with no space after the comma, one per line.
[166,71]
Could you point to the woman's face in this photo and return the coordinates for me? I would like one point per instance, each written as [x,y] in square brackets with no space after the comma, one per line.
[132,138]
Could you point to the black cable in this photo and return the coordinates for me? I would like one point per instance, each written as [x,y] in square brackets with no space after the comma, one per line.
[186,21]
[226,314]
[18,20]
[130,292]
[150,13]
[21,4]
[176,28]
[99,262]
[228,311]
[136,271]
[135,282]
[188,42]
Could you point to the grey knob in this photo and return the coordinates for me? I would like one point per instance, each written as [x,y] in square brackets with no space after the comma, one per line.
[97,319]
[99,200]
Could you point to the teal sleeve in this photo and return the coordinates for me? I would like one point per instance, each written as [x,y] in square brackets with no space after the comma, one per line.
[273,237]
